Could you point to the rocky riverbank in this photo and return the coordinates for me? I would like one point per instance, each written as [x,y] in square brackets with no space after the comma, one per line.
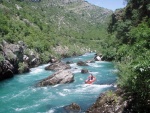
[110,102]
[16,58]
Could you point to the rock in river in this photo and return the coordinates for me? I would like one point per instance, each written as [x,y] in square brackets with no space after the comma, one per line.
[58,66]
[72,108]
[59,77]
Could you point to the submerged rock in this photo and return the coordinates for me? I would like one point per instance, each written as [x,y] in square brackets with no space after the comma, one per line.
[69,62]
[59,77]
[84,71]
[72,108]
[81,63]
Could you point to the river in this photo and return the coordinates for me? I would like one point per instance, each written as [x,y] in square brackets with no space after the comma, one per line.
[19,94]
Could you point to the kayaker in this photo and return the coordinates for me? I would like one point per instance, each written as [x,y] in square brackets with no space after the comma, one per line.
[90,77]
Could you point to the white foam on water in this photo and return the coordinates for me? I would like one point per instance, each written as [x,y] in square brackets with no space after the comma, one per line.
[61,94]
[44,100]
[101,62]
[75,68]
[24,108]
[41,66]
[21,93]
[19,109]
[90,88]
[81,78]
[38,69]
[115,85]
[56,85]
[51,111]
[34,89]
[94,73]
[35,71]
[94,65]
[67,90]
[76,71]
[74,65]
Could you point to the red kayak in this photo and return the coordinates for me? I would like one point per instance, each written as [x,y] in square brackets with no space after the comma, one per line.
[90,81]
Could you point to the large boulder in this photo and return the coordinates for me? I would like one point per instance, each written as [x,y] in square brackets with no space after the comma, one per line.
[6,70]
[59,77]
[72,108]
[98,57]
[57,66]
[31,57]
[12,51]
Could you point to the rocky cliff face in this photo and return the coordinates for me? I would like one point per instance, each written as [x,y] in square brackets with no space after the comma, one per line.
[14,59]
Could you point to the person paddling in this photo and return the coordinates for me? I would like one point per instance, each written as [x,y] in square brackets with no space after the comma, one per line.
[90,77]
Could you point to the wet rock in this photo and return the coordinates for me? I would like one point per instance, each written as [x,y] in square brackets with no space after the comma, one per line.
[84,71]
[98,57]
[72,108]
[58,66]
[81,63]
[69,62]
[59,77]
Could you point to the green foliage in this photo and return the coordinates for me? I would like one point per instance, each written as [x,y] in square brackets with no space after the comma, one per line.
[45,57]
[131,39]
[1,58]
[110,95]
[43,26]
[22,67]
[3,24]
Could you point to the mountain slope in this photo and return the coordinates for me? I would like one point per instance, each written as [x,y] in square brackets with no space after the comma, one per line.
[70,19]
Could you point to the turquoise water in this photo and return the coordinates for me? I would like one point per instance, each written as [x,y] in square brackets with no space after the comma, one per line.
[19,94]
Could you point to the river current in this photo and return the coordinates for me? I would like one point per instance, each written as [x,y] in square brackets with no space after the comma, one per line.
[19,94]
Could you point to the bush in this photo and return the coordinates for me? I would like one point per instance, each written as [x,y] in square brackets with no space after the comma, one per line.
[23,67]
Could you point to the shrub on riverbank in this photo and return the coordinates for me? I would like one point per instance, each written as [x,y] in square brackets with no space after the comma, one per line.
[130,44]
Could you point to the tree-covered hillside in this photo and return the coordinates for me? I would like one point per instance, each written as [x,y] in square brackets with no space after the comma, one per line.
[46,23]
[129,45]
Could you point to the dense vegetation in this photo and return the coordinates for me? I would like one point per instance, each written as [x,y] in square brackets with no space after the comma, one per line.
[45,24]
[129,45]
